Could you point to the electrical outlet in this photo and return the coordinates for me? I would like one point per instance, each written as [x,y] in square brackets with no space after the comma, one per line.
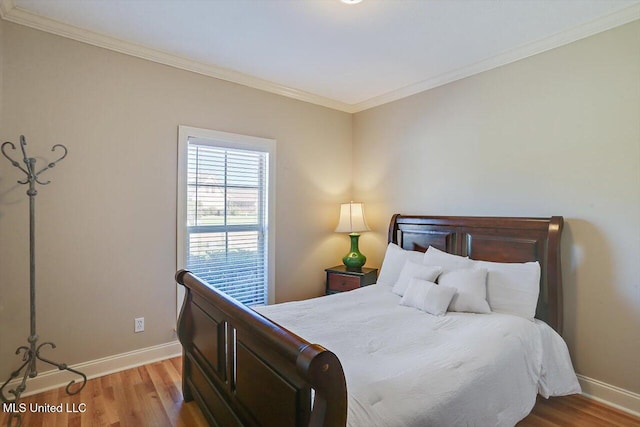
[138,324]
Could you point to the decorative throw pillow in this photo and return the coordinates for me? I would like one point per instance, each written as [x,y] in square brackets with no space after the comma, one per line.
[445,260]
[512,288]
[394,259]
[428,297]
[471,286]
[413,270]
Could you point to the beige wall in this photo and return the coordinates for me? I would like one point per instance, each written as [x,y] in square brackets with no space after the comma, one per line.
[106,225]
[1,67]
[555,134]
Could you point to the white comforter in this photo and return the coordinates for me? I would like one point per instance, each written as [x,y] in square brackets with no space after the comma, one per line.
[404,367]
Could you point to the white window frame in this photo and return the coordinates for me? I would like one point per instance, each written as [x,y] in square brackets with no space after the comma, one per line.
[227,140]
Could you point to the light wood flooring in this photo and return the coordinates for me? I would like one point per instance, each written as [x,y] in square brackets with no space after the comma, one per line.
[150,395]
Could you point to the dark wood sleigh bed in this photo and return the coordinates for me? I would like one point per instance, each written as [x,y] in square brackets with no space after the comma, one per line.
[245,370]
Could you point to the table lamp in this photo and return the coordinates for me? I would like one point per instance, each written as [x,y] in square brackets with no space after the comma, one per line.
[352,221]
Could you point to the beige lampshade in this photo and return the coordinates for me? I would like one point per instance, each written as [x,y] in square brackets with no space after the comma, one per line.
[352,218]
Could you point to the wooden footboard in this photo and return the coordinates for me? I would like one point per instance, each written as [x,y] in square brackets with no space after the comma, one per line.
[244,370]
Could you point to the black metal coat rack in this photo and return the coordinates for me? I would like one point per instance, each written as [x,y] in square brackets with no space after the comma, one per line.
[31,353]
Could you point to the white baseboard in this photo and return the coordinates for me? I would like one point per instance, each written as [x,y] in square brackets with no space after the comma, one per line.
[611,395]
[96,368]
[616,397]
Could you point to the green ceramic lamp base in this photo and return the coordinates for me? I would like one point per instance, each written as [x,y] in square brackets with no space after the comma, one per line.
[354,259]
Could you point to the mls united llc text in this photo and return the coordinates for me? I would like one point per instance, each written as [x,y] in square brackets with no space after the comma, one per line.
[44,407]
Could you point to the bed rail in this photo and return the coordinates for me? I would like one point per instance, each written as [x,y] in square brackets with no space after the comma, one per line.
[245,370]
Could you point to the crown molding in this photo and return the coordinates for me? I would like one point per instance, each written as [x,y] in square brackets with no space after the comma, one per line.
[10,12]
[571,35]
[17,15]
[5,7]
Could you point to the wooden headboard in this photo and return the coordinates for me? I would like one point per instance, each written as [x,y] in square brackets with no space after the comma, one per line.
[493,239]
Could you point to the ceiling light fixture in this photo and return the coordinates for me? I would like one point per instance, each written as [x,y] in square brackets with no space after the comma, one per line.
[350,1]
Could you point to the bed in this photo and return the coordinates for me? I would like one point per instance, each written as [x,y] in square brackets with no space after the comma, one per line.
[247,368]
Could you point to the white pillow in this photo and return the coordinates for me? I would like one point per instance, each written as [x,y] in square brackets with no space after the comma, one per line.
[445,260]
[512,288]
[428,297]
[394,259]
[415,270]
[471,286]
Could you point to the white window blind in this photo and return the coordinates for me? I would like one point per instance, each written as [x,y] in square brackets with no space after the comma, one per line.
[227,219]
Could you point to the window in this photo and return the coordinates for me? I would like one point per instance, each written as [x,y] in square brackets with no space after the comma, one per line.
[225,196]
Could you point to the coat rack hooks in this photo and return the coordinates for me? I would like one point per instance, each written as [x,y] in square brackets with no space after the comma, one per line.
[31,353]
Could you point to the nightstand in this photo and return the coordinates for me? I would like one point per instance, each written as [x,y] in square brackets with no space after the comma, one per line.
[341,279]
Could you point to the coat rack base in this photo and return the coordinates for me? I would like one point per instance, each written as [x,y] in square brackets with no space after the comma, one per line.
[30,355]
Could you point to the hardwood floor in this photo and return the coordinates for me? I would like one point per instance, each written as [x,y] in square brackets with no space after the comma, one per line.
[151,396]
[576,411]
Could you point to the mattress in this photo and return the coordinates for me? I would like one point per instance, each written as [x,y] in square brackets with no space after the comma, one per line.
[404,367]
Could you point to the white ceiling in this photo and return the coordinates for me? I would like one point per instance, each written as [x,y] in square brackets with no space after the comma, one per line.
[349,57]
